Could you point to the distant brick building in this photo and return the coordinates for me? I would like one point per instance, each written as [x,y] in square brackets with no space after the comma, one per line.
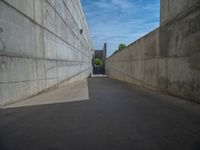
[101,54]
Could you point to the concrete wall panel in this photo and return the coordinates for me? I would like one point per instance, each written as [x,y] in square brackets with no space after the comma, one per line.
[172,8]
[39,42]
[151,73]
[49,17]
[38,10]
[12,68]
[7,91]
[17,32]
[49,45]
[25,7]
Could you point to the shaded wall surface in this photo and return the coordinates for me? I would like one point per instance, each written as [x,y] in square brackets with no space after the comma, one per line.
[167,59]
[41,45]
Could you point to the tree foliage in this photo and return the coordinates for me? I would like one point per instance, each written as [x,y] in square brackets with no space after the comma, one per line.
[121,46]
[98,61]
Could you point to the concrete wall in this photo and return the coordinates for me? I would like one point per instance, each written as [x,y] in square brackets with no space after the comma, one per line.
[41,46]
[166,60]
[171,9]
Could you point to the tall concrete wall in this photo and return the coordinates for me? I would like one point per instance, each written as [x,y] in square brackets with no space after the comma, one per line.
[41,45]
[171,9]
[166,60]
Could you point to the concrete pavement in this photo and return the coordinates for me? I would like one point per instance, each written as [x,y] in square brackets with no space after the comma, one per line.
[118,116]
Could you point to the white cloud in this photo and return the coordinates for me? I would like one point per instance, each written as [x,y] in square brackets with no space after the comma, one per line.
[120,21]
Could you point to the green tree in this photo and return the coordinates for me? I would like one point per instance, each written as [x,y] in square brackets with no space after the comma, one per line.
[121,46]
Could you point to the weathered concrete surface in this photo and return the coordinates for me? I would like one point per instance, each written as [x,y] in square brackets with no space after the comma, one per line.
[76,91]
[166,60]
[41,46]
[118,116]
[170,9]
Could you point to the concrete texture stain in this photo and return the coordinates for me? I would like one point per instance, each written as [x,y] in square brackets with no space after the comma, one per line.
[2,45]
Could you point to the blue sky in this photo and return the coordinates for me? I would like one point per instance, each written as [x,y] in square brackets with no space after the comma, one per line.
[120,21]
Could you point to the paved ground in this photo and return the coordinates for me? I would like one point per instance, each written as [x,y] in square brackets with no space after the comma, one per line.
[118,116]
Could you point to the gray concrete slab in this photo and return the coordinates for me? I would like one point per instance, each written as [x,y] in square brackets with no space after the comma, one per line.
[118,116]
